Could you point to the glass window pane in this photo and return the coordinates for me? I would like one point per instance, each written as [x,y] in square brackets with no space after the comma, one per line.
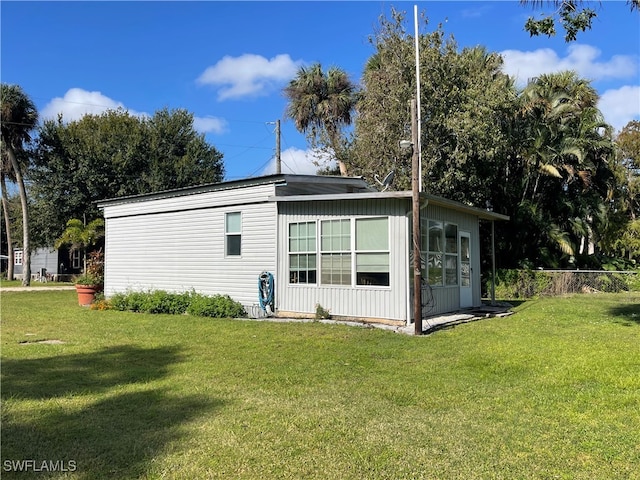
[233,245]
[464,246]
[435,236]
[372,234]
[233,222]
[451,234]
[435,268]
[451,270]
[372,262]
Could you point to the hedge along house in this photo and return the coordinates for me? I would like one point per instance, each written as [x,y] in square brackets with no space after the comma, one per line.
[328,241]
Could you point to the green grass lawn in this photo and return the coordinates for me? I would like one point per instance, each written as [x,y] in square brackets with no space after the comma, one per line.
[550,392]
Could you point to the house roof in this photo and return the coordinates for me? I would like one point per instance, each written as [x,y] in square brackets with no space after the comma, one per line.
[355,189]
[426,199]
[278,179]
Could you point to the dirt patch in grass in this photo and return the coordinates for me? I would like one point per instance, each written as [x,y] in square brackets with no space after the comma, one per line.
[45,342]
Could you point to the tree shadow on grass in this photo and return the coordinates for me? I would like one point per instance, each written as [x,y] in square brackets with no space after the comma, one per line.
[85,372]
[627,314]
[115,435]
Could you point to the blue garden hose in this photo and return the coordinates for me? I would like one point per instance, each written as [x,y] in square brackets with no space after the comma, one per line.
[265,292]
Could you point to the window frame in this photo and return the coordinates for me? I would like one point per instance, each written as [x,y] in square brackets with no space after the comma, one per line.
[232,234]
[336,254]
[306,253]
[361,251]
[18,257]
[445,256]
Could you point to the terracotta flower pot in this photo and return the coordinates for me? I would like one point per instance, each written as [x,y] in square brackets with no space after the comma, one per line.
[86,294]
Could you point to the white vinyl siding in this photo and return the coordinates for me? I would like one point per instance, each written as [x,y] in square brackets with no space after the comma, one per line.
[182,246]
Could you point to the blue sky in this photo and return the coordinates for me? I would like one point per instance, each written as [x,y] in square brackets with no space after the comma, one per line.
[227,62]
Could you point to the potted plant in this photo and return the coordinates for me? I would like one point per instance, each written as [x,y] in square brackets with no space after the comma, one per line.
[92,280]
[81,236]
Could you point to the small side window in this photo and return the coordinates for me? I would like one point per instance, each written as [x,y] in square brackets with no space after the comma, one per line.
[233,234]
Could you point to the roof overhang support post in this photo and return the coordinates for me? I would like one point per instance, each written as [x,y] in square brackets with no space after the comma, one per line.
[493,262]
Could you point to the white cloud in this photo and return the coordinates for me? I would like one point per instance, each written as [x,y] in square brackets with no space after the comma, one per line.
[248,75]
[301,162]
[209,125]
[78,102]
[582,59]
[620,106]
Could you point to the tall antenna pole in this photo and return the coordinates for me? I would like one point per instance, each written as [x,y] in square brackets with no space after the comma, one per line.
[415,200]
[418,146]
[278,159]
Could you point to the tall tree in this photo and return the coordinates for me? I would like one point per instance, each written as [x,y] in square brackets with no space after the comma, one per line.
[622,234]
[19,117]
[111,155]
[6,171]
[571,14]
[321,104]
[466,104]
[566,159]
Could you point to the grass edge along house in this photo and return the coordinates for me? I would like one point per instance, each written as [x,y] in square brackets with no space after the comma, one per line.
[323,240]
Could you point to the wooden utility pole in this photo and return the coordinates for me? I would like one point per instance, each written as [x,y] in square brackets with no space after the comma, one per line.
[415,201]
[278,159]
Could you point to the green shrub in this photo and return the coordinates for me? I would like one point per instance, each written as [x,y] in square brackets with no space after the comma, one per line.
[217,306]
[633,281]
[160,301]
[520,284]
[322,313]
[515,284]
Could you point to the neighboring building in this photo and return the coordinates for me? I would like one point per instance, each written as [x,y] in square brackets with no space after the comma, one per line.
[55,264]
[329,241]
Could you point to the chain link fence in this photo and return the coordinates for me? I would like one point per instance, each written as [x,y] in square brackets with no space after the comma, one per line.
[514,284]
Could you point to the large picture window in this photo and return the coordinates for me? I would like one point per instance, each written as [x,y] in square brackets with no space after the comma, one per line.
[441,243]
[372,251]
[335,250]
[302,252]
[233,234]
[352,252]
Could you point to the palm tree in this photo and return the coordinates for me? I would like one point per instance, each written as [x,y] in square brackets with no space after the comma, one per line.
[80,236]
[567,150]
[7,171]
[321,104]
[19,116]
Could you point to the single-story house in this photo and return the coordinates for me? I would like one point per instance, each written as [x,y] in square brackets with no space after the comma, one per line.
[324,240]
[48,263]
